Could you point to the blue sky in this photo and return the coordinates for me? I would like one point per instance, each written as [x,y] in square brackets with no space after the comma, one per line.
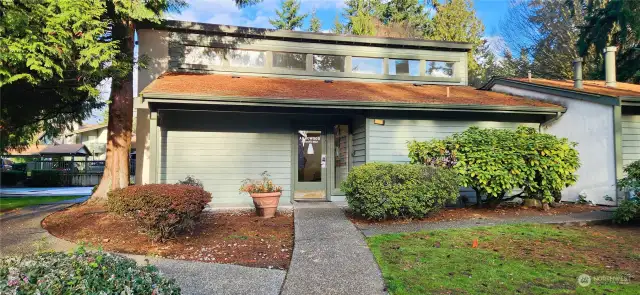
[491,12]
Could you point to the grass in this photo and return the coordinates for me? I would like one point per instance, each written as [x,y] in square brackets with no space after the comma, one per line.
[510,259]
[7,204]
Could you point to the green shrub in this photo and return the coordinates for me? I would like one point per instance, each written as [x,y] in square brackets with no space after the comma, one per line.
[381,190]
[631,182]
[80,273]
[494,162]
[46,178]
[12,177]
[191,180]
[627,211]
[163,210]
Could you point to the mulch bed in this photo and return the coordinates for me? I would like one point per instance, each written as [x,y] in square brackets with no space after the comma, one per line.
[453,214]
[233,238]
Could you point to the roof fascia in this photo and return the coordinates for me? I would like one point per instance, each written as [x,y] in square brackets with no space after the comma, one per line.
[286,102]
[559,91]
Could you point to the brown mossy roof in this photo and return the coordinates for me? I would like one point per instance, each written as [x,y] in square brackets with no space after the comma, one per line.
[221,85]
[590,86]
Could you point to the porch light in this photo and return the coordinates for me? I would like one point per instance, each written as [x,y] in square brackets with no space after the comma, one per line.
[378,121]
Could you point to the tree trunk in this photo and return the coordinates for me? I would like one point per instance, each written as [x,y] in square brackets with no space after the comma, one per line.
[119,129]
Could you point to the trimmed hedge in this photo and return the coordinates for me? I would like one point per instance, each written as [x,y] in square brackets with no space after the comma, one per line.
[12,177]
[81,272]
[46,178]
[163,210]
[381,190]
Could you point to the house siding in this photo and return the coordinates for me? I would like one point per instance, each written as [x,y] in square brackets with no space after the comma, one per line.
[222,149]
[630,139]
[359,142]
[388,142]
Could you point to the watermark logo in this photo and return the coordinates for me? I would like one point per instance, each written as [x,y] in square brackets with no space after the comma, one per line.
[585,280]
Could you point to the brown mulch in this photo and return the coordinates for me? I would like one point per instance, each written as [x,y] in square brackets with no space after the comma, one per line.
[233,238]
[453,214]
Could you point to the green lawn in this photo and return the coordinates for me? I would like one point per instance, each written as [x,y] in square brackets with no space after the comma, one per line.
[14,203]
[511,259]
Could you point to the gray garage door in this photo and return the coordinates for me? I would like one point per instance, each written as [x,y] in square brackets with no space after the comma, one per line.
[222,149]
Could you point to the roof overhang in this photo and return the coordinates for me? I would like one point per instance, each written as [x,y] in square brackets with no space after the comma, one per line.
[260,33]
[630,100]
[558,91]
[154,98]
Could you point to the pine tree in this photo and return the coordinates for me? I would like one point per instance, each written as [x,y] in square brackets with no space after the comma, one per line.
[456,20]
[315,25]
[409,12]
[613,23]
[361,16]
[288,18]
[51,61]
[338,27]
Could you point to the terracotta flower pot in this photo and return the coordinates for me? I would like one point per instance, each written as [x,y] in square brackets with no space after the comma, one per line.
[266,203]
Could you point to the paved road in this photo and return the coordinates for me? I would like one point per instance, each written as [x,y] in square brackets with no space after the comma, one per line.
[330,255]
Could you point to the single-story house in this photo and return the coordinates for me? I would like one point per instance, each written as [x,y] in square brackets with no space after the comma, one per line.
[226,103]
[603,117]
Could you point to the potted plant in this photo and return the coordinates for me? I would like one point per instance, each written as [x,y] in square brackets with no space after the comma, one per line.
[265,194]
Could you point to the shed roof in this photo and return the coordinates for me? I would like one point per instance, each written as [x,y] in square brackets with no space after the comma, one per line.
[207,86]
[66,150]
[32,150]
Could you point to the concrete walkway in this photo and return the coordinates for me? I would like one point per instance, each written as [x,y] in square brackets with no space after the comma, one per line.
[584,218]
[330,255]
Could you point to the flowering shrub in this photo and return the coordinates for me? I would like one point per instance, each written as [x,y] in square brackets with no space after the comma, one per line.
[263,185]
[163,210]
[382,190]
[80,272]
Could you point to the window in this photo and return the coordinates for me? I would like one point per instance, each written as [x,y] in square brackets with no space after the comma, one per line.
[328,63]
[341,144]
[199,55]
[288,60]
[404,67]
[247,58]
[439,69]
[367,65]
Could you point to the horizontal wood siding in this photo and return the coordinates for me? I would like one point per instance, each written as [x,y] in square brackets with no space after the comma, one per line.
[630,139]
[388,142]
[359,142]
[222,149]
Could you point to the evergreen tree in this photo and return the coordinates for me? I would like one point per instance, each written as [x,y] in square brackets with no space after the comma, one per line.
[338,27]
[408,12]
[51,61]
[288,17]
[315,25]
[456,20]
[361,16]
[613,23]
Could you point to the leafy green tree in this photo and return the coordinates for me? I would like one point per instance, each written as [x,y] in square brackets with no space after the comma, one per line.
[613,23]
[314,24]
[361,15]
[456,20]
[51,60]
[410,12]
[288,16]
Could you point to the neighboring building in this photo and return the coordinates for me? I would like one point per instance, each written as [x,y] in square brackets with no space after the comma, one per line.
[226,103]
[94,136]
[603,117]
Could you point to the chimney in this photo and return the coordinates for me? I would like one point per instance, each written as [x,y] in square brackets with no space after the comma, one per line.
[577,73]
[610,66]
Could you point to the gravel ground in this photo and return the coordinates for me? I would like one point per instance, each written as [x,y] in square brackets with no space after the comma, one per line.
[569,219]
